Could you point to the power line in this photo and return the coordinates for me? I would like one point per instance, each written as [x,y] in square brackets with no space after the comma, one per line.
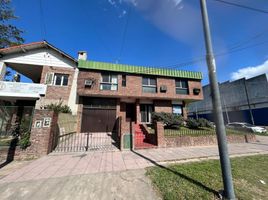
[242,6]
[42,20]
[232,49]
[124,35]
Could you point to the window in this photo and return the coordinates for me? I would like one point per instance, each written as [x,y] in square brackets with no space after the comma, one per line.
[56,79]
[108,82]
[60,79]
[182,86]
[149,85]
[124,80]
[146,112]
[177,109]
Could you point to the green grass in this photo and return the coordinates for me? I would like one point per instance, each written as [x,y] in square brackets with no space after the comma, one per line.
[202,180]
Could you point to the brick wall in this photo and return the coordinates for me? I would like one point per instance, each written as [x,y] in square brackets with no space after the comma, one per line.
[163,106]
[41,138]
[56,93]
[134,87]
[183,141]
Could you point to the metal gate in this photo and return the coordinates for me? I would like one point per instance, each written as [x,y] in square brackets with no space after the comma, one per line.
[87,141]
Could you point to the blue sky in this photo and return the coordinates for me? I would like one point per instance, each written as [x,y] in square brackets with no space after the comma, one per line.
[165,33]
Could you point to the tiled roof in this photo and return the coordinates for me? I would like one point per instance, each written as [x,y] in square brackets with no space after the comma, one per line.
[82,64]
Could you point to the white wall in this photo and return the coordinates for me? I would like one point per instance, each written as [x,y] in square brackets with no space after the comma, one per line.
[40,57]
[2,71]
[72,102]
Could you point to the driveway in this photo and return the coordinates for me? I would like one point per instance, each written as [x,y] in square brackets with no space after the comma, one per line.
[105,175]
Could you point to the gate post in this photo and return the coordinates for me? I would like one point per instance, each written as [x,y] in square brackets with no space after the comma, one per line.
[44,129]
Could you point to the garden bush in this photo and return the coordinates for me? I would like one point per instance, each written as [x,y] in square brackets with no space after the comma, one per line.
[204,123]
[192,123]
[170,120]
[58,107]
[24,141]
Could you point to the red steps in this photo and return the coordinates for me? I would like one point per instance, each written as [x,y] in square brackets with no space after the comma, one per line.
[140,139]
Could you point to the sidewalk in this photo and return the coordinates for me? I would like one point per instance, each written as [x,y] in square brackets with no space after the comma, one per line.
[61,165]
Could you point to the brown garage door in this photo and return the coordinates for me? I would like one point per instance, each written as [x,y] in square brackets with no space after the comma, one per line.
[98,120]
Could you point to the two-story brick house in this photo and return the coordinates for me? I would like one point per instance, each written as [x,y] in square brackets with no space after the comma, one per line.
[108,91]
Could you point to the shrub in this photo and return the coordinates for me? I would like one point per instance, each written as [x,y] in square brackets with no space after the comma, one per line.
[170,120]
[204,123]
[24,141]
[58,107]
[192,123]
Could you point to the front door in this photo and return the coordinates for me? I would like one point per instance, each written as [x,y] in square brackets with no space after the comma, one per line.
[146,112]
[131,112]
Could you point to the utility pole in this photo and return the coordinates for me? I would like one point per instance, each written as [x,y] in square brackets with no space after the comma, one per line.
[249,106]
[220,129]
[226,111]
[196,114]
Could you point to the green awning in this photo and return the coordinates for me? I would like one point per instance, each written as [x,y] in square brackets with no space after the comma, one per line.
[103,66]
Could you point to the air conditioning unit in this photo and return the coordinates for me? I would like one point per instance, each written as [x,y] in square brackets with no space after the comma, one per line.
[88,83]
[163,88]
[196,91]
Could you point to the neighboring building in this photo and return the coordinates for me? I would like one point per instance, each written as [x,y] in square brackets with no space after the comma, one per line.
[238,99]
[107,91]
[53,74]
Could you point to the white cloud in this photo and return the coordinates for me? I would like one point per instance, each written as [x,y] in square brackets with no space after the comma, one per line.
[250,71]
[177,18]
[112,2]
[124,12]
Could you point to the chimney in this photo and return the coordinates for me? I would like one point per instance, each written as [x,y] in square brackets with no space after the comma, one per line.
[82,55]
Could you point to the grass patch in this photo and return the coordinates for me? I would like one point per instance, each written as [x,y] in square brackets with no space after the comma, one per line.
[202,180]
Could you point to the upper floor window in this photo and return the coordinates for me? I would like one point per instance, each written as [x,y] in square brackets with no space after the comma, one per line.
[56,79]
[182,86]
[108,82]
[149,84]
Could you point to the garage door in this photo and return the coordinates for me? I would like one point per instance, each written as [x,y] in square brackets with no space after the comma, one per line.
[98,120]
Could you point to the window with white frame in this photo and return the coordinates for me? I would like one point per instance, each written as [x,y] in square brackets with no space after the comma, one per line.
[109,82]
[177,109]
[56,79]
[182,86]
[149,85]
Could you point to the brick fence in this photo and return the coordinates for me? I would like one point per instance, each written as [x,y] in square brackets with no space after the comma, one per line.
[203,140]
[44,127]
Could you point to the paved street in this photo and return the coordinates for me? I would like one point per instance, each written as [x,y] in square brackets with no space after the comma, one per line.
[104,175]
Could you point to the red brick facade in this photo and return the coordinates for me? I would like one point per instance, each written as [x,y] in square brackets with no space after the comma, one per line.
[56,93]
[132,92]
[134,87]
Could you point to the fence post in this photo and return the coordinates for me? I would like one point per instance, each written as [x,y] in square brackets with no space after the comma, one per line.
[160,137]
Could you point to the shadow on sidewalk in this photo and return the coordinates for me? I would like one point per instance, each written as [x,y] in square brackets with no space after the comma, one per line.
[199,184]
[10,153]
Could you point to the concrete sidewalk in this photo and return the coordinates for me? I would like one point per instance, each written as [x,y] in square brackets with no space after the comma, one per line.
[105,175]
[60,165]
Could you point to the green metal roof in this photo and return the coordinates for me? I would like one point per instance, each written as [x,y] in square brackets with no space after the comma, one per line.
[103,66]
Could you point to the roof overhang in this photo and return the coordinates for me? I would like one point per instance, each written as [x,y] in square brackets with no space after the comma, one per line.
[32,46]
[132,69]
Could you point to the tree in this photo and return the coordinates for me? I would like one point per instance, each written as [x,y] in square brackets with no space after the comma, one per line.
[10,35]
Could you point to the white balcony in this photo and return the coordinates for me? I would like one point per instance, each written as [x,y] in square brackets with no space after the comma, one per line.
[19,90]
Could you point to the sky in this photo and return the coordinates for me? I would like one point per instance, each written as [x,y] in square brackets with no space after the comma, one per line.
[160,33]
